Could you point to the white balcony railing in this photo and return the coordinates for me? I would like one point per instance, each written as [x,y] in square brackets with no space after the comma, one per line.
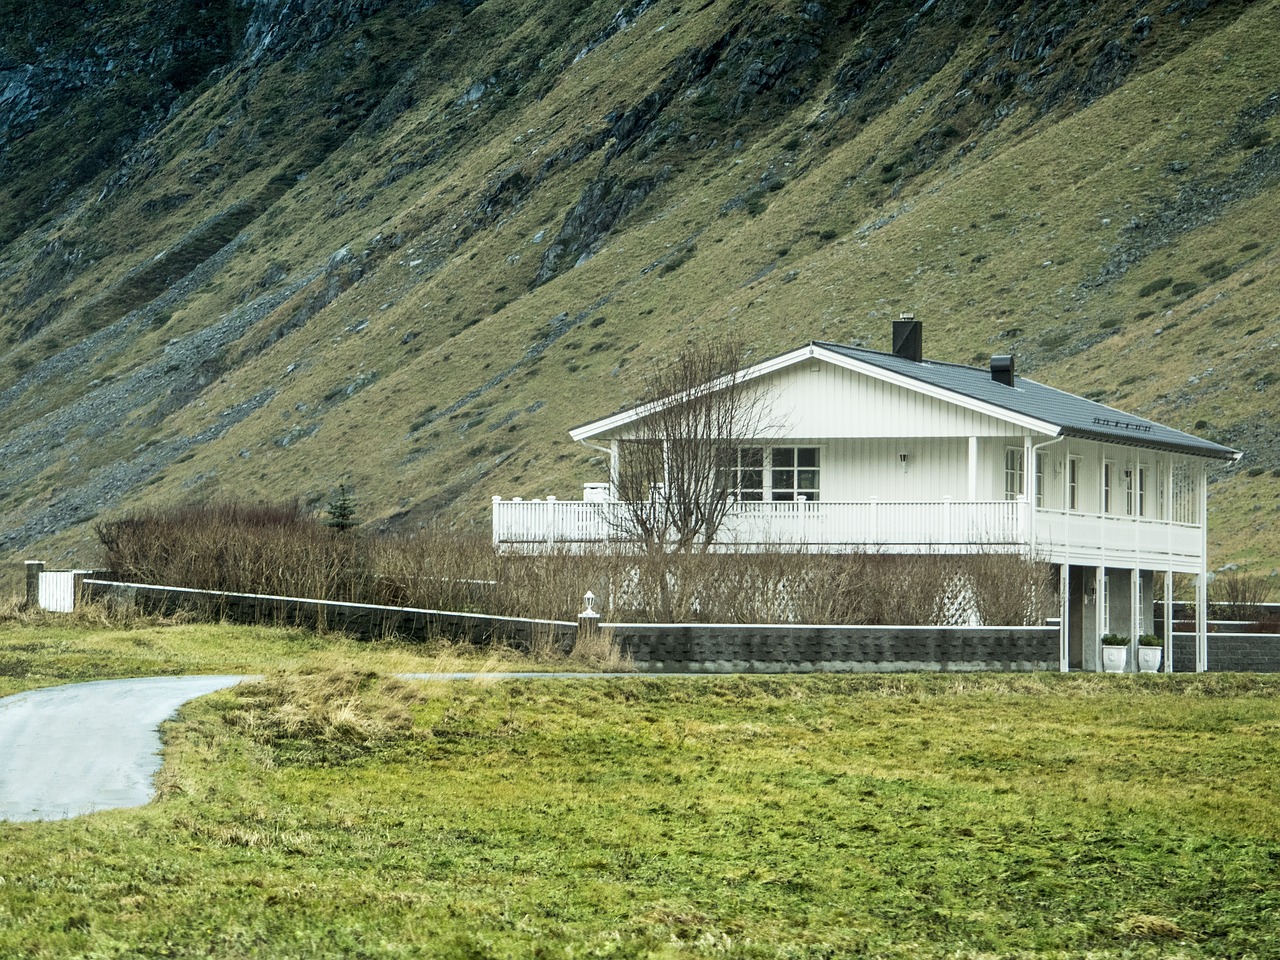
[824,525]
[893,526]
[1070,537]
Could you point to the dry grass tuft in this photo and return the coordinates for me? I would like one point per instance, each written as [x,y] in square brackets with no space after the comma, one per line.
[599,650]
[326,715]
[1142,926]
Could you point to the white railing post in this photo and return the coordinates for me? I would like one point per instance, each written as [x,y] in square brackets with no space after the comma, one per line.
[497,533]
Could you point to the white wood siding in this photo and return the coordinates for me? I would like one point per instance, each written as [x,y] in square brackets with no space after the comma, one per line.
[818,399]
[871,469]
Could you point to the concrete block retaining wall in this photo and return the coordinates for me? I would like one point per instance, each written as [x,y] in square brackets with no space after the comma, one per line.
[771,648]
[699,648]
[1243,652]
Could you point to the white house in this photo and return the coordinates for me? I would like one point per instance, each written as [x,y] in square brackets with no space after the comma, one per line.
[892,453]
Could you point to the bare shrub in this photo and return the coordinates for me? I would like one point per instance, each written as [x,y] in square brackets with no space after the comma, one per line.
[282,551]
[1010,590]
[265,548]
[1238,596]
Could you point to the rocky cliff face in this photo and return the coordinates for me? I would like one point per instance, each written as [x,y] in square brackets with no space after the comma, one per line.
[261,248]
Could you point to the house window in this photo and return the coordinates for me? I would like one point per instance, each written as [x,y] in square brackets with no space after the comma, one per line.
[748,474]
[1142,490]
[1073,483]
[1039,479]
[1013,473]
[1108,472]
[794,473]
[1126,480]
[1185,494]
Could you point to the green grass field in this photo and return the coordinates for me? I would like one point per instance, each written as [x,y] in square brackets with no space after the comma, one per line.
[331,811]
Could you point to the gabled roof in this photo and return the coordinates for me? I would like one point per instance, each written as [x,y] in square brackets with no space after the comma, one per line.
[1073,416]
[1027,403]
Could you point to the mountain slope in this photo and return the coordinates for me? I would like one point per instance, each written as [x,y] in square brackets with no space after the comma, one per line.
[405,246]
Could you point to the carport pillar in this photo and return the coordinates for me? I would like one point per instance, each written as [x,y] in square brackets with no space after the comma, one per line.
[1099,613]
[1168,621]
[1064,617]
[34,569]
[1202,621]
[1135,616]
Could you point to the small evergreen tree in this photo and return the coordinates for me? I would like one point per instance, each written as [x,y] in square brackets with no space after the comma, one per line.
[341,510]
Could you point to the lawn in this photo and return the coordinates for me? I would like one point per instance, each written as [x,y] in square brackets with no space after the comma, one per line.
[332,811]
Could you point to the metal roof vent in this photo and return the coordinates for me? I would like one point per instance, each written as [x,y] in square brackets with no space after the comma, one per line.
[1002,370]
[908,338]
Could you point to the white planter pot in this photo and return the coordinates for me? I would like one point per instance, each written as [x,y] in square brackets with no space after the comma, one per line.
[1149,659]
[1114,659]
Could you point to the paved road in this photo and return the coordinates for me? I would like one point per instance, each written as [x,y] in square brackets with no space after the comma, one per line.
[69,750]
[74,749]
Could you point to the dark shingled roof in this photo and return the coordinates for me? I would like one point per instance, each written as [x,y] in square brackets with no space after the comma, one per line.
[1076,416]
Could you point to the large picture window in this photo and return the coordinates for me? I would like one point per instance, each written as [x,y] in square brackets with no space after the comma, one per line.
[777,473]
[793,473]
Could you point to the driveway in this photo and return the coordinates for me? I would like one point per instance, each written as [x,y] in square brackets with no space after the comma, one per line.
[83,747]
[75,749]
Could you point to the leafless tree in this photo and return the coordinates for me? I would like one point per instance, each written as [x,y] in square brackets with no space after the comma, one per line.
[676,475]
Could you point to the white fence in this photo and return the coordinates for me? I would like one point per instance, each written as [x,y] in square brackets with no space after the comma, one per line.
[57,592]
[906,526]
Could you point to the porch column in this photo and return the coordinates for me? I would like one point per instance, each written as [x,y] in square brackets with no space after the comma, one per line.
[613,469]
[1135,617]
[1064,617]
[1100,613]
[1202,621]
[1202,579]
[973,468]
[1168,621]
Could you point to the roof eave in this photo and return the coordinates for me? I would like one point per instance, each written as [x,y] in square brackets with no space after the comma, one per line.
[1213,452]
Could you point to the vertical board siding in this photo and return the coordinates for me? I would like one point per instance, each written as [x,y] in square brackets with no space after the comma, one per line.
[830,401]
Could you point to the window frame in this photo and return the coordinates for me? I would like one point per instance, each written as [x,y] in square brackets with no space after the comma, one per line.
[1015,473]
[768,491]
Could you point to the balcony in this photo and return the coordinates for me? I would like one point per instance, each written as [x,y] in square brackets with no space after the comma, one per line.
[943,526]
[897,527]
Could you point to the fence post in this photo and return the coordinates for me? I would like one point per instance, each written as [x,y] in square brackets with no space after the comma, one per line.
[77,587]
[34,569]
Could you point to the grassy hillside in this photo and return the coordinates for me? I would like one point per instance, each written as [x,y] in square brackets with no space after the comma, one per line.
[404,247]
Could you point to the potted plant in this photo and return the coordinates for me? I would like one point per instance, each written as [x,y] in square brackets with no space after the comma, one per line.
[1150,650]
[1115,653]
